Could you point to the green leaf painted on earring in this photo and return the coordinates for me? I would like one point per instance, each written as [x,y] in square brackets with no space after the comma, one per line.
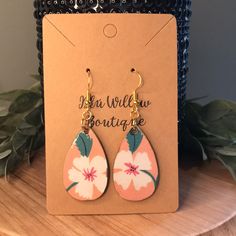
[134,139]
[71,186]
[84,144]
[155,181]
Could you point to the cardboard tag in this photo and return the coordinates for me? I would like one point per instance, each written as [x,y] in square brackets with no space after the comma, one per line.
[110,45]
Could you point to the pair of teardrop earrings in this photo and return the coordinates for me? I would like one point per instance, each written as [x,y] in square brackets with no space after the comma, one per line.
[135,170]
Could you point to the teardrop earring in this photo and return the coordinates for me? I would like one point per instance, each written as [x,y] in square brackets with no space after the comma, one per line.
[135,171]
[86,166]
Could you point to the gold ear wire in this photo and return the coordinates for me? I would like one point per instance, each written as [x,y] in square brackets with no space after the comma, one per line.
[135,96]
[87,114]
[90,85]
[90,79]
[140,78]
[134,114]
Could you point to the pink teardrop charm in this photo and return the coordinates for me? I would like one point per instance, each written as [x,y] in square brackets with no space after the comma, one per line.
[85,168]
[135,171]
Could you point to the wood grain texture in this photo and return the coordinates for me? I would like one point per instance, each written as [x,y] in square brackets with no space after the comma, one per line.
[207,194]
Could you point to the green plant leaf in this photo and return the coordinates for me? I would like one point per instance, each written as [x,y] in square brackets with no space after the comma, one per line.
[232,104]
[229,121]
[24,102]
[194,121]
[11,163]
[215,110]
[134,139]
[229,151]
[36,77]
[39,140]
[29,151]
[4,111]
[215,129]
[36,88]
[5,145]
[34,117]
[214,141]
[228,161]
[5,154]
[218,128]
[13,120]
[7,130]
[12,95]
[3,135]
[18,140]
[27,129]
[84,144]
[3,119]
[21,126]
[2,166]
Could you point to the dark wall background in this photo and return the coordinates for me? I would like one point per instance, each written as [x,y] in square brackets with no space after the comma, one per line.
[213,50]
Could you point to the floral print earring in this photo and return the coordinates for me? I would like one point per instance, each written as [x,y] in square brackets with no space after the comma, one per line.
[85,167]
[135,171]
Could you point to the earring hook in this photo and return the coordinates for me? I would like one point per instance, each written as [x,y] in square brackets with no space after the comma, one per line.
[134,114]
[90,79]
[140,78]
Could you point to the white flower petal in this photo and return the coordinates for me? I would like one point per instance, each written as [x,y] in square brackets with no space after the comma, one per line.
[74,175]
[81,163]
[141,180]
[122,158]
[99,163]
[85,189]
[100,182]
[142,160]
[123,179]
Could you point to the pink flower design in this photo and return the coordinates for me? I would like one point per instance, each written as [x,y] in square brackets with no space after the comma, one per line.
[131,169]
[88,174]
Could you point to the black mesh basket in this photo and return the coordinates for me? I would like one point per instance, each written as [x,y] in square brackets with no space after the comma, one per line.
[181,9]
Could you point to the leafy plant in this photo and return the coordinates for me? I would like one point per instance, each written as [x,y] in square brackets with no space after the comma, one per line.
[21,126]
[211,133]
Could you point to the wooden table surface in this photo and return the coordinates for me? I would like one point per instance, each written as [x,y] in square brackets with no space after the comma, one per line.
[207,200]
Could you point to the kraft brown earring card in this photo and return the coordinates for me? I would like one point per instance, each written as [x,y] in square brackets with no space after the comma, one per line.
[110,45]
